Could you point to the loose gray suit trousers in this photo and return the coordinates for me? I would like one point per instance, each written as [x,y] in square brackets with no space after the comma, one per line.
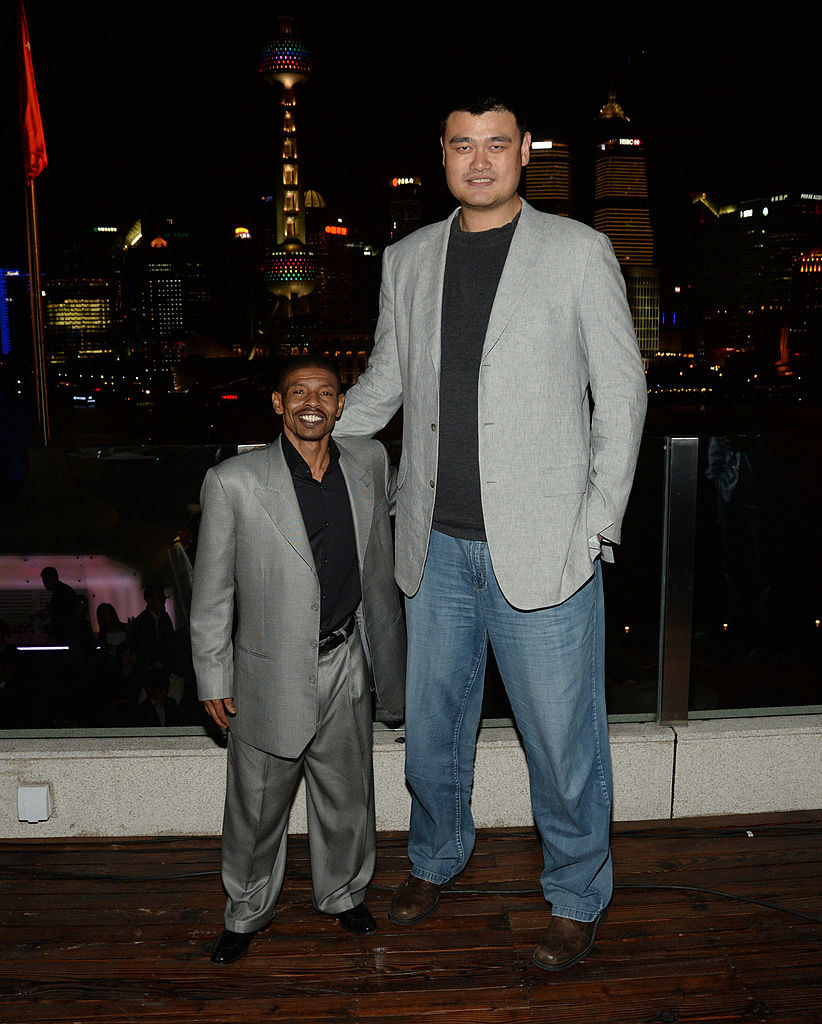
[339,803]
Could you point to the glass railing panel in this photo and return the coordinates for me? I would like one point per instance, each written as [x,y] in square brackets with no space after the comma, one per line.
[757,598]
[79,646]
[632,585]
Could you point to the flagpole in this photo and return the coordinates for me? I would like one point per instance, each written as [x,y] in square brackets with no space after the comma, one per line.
[36,300]
[34,160]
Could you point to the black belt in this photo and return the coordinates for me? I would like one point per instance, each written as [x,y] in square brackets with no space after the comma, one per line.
[340,635]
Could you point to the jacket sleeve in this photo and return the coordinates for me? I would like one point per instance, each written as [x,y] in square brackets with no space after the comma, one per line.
[618,389]
[377,394]
[390,483]
[212,599]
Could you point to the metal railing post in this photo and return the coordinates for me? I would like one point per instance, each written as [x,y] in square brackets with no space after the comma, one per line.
[676,599]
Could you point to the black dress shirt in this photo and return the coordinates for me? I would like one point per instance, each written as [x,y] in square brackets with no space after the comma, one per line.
[326,512]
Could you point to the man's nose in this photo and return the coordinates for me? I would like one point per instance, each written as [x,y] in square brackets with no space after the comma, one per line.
[480,160]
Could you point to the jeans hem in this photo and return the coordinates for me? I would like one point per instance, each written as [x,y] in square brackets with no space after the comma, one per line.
[431,876]
[575,915]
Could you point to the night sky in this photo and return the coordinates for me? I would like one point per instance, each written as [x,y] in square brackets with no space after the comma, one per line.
[158,105]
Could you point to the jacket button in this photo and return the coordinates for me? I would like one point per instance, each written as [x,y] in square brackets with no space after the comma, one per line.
[431,482]
[433,426]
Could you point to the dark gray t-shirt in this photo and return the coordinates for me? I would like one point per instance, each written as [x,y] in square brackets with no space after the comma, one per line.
[473,267]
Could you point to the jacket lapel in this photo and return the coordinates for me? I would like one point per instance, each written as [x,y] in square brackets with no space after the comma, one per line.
[527,245]
[431,261]
[279,500]
[360,486]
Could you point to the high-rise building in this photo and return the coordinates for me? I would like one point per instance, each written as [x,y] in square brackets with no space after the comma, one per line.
[621,212]
[548,177]
[330,241]
[754,274]
[161,304]
[405,207]
[14,310]
[80,317]
[83,297]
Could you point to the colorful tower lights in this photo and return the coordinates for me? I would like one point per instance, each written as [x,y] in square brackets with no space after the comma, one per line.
[290,270]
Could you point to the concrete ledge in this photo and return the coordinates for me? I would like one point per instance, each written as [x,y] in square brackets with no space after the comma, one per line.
[129,786]
[175,785]
[747,765]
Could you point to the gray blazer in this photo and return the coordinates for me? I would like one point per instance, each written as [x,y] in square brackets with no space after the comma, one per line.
[253,547]
[552,477]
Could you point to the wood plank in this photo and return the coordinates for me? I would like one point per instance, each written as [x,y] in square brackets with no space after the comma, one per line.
[98,932]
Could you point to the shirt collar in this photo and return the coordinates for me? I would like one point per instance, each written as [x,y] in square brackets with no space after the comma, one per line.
[295,461]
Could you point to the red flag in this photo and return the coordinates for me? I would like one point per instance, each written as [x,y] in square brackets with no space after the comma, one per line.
[34,143]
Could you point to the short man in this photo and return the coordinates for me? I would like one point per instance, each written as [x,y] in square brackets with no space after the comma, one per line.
[299,535]
[506,336]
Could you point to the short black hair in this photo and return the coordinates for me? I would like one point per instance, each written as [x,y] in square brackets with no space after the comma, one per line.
[478,103]
[306,362]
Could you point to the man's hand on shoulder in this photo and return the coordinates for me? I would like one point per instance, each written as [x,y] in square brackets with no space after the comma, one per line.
[220,709]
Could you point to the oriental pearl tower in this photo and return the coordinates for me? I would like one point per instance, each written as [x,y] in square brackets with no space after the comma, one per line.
[290,269]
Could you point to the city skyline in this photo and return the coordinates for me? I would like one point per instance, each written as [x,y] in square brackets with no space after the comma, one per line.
[157,107]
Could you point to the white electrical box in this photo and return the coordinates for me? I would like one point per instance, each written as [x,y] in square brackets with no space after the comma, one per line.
[34,802]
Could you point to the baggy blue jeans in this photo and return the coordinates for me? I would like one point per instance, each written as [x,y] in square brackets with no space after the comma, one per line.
[552,664]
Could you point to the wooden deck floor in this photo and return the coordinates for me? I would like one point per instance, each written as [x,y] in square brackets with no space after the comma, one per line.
[97,931]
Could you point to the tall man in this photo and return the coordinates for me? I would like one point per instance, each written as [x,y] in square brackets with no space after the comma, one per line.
[298,535]
[506,335]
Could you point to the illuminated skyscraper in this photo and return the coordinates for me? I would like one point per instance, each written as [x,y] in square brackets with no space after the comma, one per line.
[755,272]
[621,188]
[406,207]
[621,212]
[14,318]
[80,317]
[548,177]
[290,269]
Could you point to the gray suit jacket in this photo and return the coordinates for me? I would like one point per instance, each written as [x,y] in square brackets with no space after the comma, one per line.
[552,476]
[253,547]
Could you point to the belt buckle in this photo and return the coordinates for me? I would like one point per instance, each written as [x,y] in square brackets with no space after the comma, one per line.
[339,636]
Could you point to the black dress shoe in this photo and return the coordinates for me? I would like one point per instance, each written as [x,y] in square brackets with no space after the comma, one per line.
[230,947]
[358,920]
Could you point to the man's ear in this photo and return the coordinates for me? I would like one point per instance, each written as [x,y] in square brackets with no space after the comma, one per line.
[525,149]
[340,404]
[277,402]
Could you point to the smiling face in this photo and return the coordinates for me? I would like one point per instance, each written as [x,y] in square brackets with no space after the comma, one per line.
[483,156]
[310,404]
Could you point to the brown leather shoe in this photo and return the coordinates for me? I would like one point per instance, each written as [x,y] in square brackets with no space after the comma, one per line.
[414,900]
[565,942]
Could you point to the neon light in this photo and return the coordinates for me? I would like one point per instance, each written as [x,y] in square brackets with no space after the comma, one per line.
[333,229]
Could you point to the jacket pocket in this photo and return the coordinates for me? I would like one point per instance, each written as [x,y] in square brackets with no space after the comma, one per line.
[559,480]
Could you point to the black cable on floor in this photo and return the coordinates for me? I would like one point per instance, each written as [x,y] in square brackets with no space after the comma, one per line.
[68,876]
